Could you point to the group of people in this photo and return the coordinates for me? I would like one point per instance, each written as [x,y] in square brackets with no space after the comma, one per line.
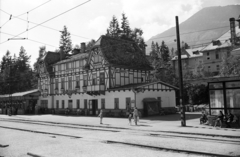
[11,110]
[132,113]
[221,118]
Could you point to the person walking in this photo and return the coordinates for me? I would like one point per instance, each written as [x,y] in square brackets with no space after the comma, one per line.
[135,115]
[130,117]
[101,116]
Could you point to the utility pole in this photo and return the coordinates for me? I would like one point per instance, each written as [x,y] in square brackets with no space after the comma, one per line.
[183,119]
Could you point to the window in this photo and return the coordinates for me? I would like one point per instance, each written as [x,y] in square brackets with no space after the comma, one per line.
[209,68]
[102,103]
[59,67]
[207,53]
[63,104]
[102,78]
[217,55]
[85,103]
[70,104]
[56,84]
[85,80]
[67,65]
[97,59]
[116,103]
[62,83]
[78,103]
[44,103]
[77,82]
[94,79]
[57,104]
[218,68]
[70,83]
[128,104]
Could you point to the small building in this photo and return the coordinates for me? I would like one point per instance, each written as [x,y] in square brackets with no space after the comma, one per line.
[114,75]
[24,102]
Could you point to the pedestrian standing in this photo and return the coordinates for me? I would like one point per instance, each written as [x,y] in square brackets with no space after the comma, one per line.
[139,115]
[135,115]
[101,116]
[130,117]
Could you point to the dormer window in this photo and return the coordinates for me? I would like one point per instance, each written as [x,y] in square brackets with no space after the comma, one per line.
[196,52]
[216,42]
[97,59]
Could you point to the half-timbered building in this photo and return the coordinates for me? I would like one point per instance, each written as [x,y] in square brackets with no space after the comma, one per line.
[113,75]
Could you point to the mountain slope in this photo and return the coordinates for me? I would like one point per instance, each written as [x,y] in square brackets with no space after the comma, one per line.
[206,19]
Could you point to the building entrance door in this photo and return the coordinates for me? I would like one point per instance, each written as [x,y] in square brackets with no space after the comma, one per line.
[93,106]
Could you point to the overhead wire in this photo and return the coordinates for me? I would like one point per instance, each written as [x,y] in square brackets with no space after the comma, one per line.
[21,14]
[31,40]
[48,27]
[32,9]
[189,32]
[50,19]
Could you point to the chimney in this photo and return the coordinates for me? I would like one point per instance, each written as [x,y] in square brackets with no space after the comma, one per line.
[62,53]
[83,48]
[232,30]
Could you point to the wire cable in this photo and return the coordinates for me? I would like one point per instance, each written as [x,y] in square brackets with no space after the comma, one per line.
[50,19]
[32,40]
[32,9]
[188,33]
[47,26]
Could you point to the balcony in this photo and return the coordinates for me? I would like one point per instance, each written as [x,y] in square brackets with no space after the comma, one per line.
[94,90]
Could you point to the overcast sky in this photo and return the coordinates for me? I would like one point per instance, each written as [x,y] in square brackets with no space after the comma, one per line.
[88,21]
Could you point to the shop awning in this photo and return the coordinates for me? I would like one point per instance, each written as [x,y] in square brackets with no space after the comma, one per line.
[150,100]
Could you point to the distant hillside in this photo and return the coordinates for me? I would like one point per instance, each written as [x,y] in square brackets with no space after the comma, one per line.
[206,19]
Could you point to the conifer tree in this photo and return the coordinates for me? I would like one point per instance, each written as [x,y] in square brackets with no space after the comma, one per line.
[126,30]
[113,30]
[164,52]
[65,40]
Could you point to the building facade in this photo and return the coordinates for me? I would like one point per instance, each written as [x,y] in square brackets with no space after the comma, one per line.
[192,61]
[114,75]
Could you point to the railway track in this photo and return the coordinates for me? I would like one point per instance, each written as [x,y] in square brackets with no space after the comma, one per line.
[235,140]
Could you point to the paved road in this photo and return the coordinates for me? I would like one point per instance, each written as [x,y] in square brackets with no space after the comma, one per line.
[56,136]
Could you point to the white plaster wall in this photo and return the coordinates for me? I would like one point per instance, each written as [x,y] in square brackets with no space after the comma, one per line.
[167,97]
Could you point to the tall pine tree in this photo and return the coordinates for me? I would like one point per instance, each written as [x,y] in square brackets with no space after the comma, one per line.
[126,30]
[164,52]
[65,40]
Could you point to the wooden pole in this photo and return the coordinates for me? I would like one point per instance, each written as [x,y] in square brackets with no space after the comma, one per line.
[183,119]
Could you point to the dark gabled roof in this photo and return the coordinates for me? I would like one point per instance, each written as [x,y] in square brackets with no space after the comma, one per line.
[51,57]
[122,53]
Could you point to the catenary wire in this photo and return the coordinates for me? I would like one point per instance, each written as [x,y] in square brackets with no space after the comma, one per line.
[31,40]
[44,26]
[32,9]
[50,19]
[22,13]
[188,33]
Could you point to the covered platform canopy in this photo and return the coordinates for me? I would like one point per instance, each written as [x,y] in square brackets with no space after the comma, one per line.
[24,101]
[32,94]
